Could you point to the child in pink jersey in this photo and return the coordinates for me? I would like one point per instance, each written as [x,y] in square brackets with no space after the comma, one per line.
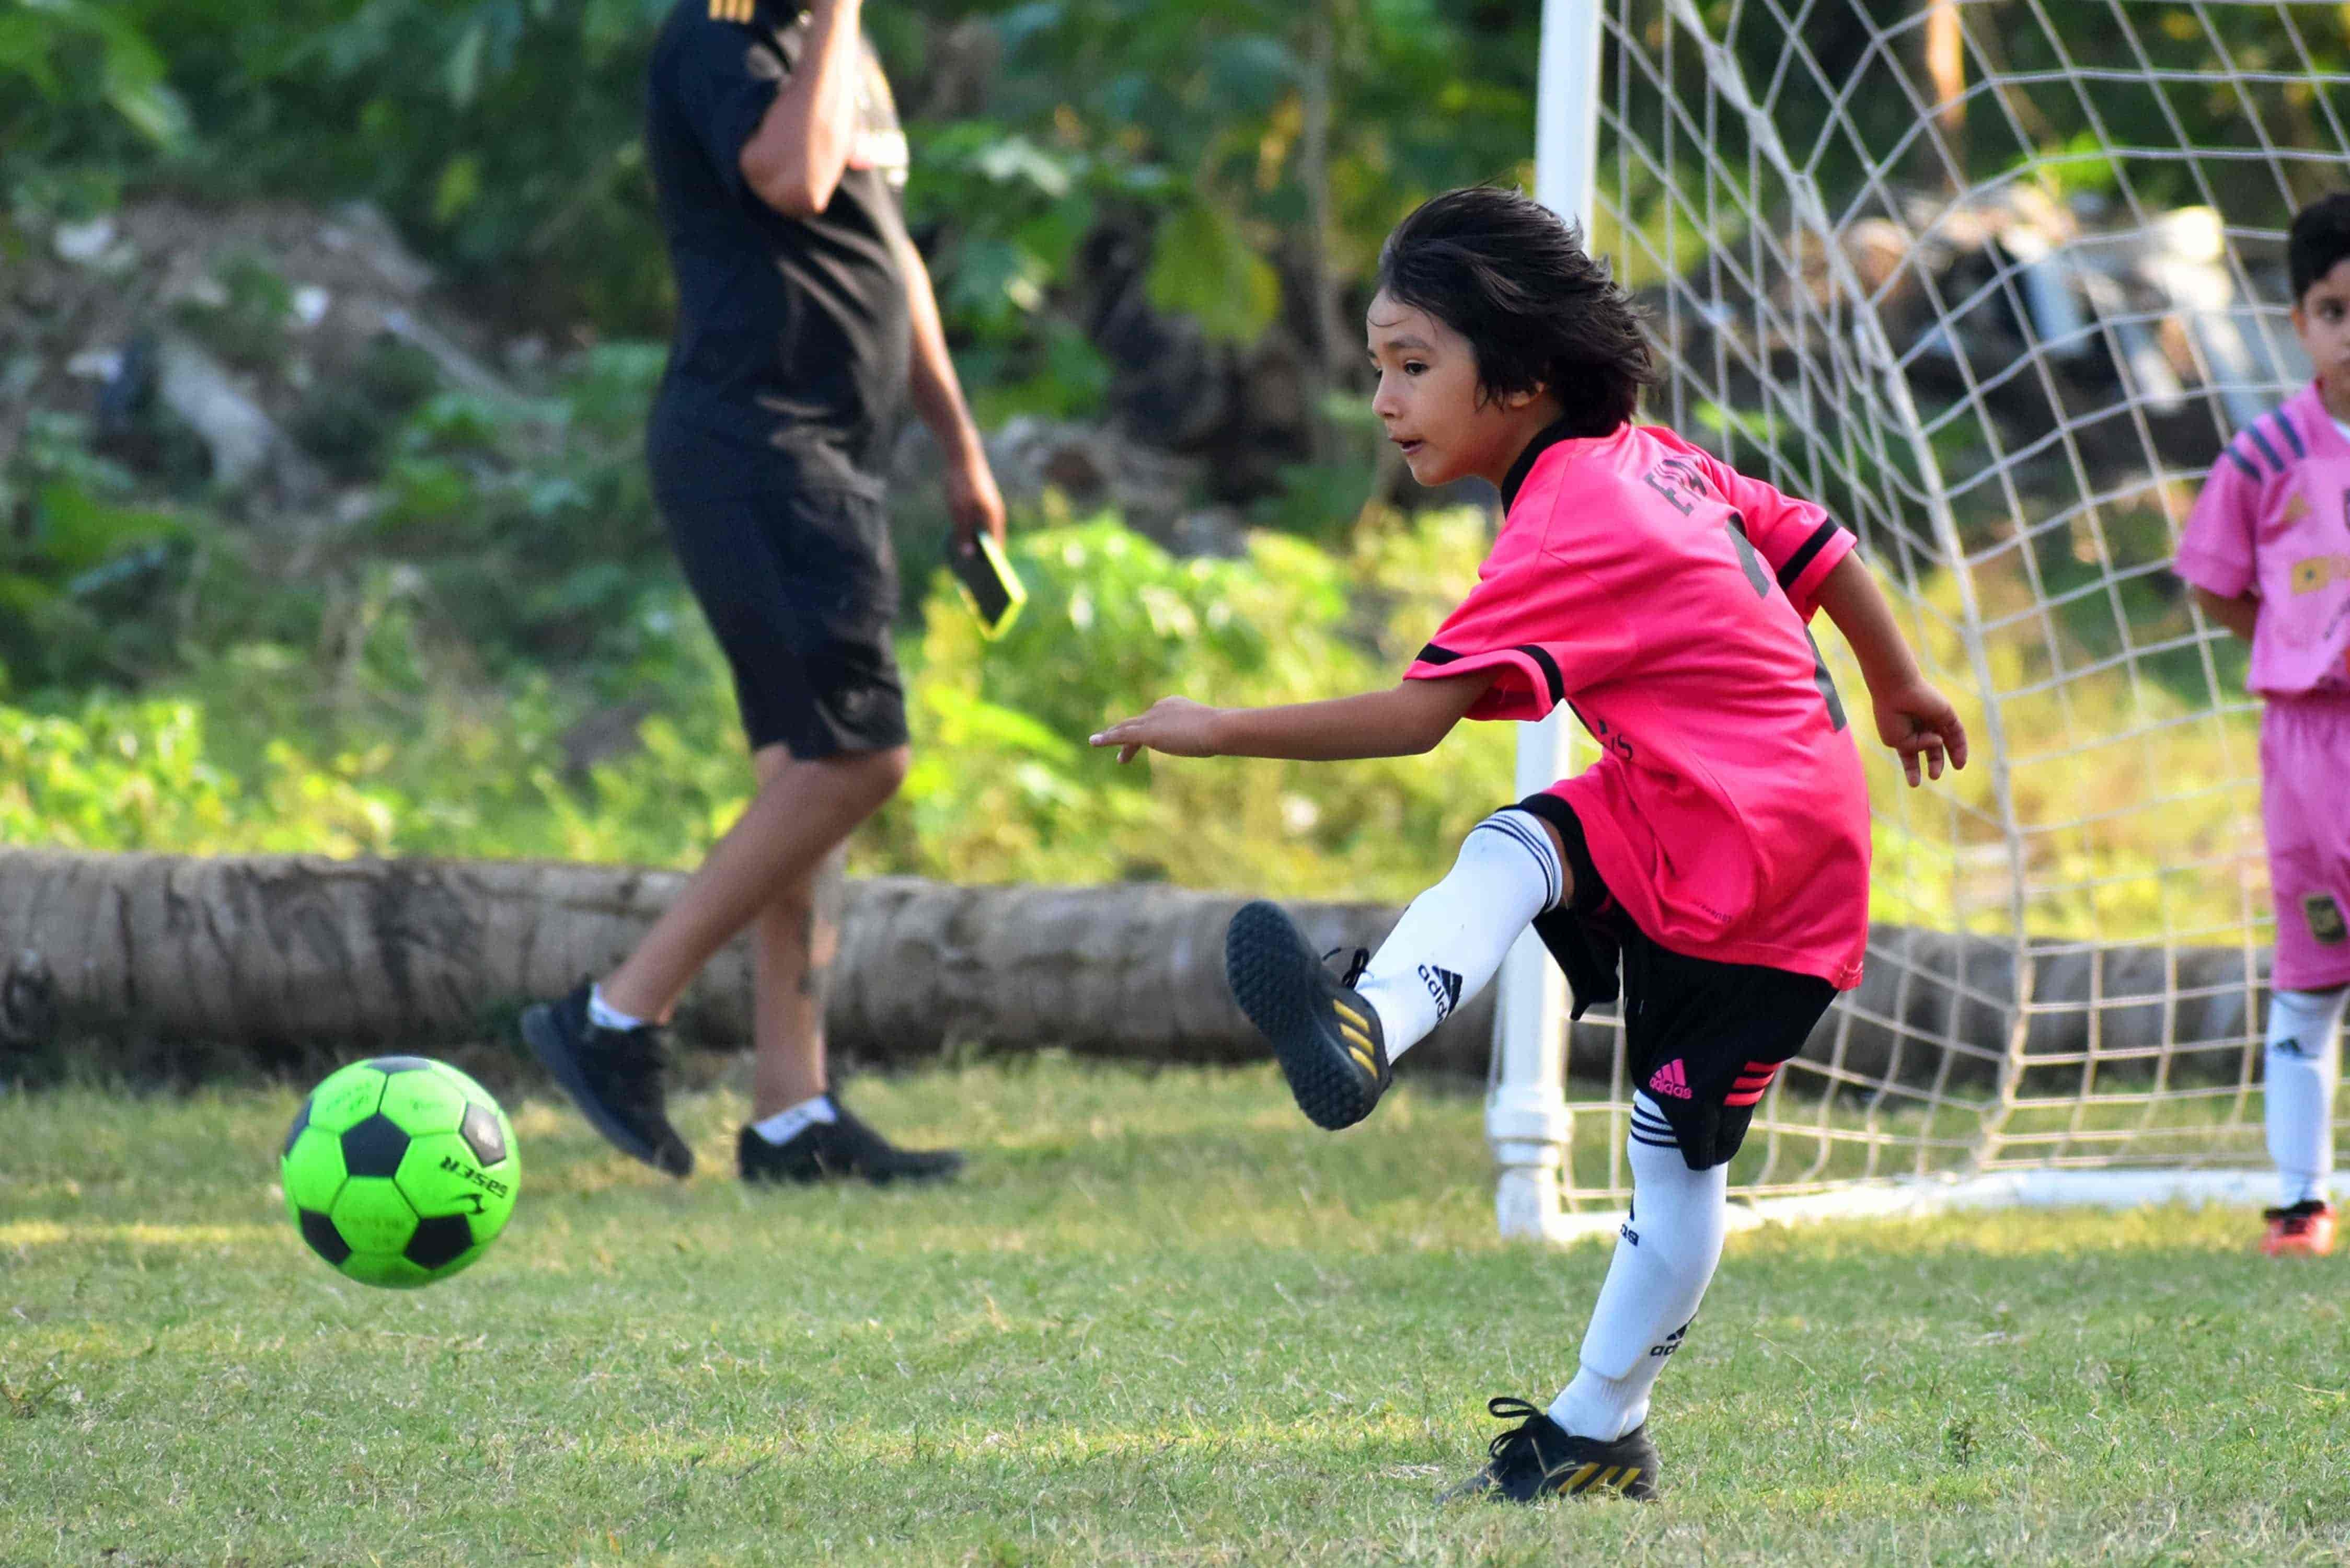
[1717,855]
[2268,551]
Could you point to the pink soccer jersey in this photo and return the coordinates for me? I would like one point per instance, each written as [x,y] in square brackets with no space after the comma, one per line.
[2274,520]
[1664,596]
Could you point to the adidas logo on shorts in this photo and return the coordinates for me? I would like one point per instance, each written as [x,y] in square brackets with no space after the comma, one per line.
[1670,1080]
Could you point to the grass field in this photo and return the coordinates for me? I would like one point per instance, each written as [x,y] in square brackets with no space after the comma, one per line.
[1163,1322]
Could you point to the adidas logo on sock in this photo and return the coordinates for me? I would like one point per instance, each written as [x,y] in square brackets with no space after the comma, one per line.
[1445,986]
[1670,1080]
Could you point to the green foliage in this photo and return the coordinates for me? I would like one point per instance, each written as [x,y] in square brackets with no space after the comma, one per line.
[83,89]
[392,755]
[246,319]
[1005,787]
[531,524]
[85,574]
[503,136]
[115,775]
[349,422]
[1200,266]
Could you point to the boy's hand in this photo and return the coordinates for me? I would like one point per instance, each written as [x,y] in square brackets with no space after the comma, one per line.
[1175,725]
[1918,721]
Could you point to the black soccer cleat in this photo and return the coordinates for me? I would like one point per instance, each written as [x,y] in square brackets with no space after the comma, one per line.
[843,1150]
[615,1077]
[1327,1037]
[1538,1459]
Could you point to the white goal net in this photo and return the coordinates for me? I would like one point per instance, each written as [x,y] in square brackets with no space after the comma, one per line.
[1995,281]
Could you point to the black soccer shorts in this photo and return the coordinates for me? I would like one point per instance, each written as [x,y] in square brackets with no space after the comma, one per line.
[1703,1039]
[799,582]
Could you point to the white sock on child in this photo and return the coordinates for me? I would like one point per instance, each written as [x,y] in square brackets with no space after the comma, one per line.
[1665,1258]
[2304,1062]
[788,1123]
[1452,939]
[603,1015]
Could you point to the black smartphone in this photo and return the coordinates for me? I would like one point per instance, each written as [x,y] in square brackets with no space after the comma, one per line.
[990,586]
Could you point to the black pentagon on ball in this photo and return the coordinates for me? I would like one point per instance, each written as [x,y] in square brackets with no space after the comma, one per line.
[324,1239]
[375,1146]
[482,1134]
[399,1064]
[301,1120]
[439,1240]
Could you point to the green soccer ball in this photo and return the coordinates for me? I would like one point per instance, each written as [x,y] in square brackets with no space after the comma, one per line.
[399,1170]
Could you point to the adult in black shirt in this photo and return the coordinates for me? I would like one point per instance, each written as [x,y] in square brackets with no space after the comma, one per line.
[804,321]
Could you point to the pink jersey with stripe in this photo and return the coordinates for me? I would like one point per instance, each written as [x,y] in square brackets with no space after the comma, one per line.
[1664,596]
[2273,521]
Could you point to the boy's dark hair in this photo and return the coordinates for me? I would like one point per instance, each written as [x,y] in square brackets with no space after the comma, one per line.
[1503,271]
[2319,238]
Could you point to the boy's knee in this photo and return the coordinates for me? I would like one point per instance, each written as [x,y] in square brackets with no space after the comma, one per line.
[1513,832]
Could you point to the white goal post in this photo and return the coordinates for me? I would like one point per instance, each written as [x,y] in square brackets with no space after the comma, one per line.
[1995,281]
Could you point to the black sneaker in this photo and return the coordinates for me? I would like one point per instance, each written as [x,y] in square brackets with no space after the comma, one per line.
[1537,1458]
[614,1076]
[839,1151]
[1327,1037]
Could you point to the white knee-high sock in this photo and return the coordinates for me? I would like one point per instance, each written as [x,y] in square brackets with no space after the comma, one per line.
[2305,1063]
[1453,937]
[1665,1258]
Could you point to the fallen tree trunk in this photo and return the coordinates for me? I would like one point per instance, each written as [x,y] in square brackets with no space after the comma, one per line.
[289,960]
[279,952]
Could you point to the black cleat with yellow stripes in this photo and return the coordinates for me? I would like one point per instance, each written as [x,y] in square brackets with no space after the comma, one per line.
[1538,1459]
[1327,1037]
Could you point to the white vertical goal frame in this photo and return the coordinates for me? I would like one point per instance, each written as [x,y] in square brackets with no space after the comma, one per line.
[1996,281]
[1526,1118]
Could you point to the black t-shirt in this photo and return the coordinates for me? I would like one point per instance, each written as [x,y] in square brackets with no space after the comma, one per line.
[792,333]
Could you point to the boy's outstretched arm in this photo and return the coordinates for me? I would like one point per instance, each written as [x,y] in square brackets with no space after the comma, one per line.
[1912,718]
[1403,721]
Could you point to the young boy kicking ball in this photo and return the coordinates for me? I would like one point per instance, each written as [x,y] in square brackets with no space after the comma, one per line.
[1718,849]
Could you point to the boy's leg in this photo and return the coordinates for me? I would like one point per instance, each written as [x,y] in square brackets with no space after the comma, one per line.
[1335,1044]
[602,1043]
[802,814]
[1594,1438]
[799,1130]
[795,939]
[2304,750]
[1708,1039]
[1452,939]
[1665,1258]
[2303,1068]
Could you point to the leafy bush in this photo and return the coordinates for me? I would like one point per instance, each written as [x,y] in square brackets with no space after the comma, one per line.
[86,572]
[116,774]
[255,752]
[1005,788]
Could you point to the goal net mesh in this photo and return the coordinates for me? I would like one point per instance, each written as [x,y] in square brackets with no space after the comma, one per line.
[1995,282]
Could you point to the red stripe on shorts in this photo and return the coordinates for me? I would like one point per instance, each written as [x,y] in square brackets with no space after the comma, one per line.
[1750,1084]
